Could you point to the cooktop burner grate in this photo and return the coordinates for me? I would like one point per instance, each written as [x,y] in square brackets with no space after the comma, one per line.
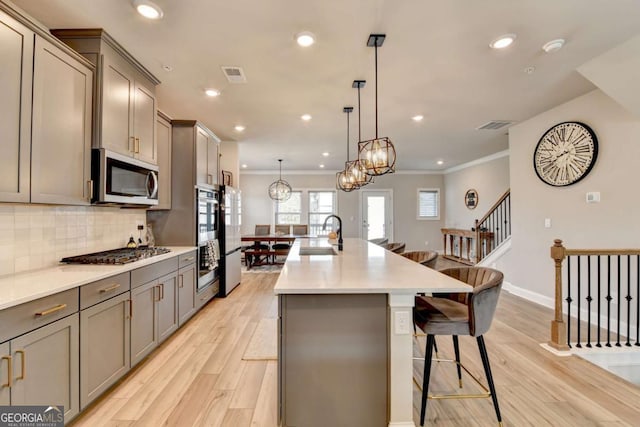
[116,256]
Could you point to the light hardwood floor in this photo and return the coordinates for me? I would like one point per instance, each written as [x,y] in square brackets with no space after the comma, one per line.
[198,378]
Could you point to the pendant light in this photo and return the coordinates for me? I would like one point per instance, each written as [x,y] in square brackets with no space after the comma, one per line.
[280,190]
[355,167]
[344,179]
[378,155]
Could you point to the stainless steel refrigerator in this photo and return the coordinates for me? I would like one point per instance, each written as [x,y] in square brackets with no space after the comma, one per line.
[229,238]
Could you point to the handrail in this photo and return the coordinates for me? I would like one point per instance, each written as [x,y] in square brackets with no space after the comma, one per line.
[495,206]
[601,286]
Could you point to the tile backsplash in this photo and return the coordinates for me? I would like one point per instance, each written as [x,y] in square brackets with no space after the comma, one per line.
[38,236]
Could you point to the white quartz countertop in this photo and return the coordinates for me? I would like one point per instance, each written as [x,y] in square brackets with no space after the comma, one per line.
[28,286]
[362,267]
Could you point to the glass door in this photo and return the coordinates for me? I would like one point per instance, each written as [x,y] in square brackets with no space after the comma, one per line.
[377,214]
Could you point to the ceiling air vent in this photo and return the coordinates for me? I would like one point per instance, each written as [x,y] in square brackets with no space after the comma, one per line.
[234,74]
[495,124]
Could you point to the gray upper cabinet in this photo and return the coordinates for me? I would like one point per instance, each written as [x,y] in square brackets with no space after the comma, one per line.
[16,51]
[196,148]
[45,366]
[163,145]
[125,107]
[61,132]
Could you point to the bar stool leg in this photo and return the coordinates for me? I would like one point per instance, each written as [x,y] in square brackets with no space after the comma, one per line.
[456,349]
[425,376]
[487,371]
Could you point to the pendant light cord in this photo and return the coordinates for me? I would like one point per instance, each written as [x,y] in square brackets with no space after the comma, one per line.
[359,115]
[347,136]
[376,50]
[280,160]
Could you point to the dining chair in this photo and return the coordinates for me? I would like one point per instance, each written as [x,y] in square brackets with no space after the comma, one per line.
[300,229]
[458,314]
[281,229]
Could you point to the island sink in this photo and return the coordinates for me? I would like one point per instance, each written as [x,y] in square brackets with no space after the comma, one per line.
[316,250]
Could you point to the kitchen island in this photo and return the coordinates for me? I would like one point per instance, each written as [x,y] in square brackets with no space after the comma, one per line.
[345,334]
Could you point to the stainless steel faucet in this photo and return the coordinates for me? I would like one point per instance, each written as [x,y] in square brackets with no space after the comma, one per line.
[324,227]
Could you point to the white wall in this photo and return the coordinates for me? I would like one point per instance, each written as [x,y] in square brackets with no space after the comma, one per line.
[229,160]
[612,223]
[258,208]
[490,178]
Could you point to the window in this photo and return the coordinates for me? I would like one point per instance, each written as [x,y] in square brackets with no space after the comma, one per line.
[428,203]
[321,204]
[290,211]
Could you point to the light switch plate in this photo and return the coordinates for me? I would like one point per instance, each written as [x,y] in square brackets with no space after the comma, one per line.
[402,323]
[547,223]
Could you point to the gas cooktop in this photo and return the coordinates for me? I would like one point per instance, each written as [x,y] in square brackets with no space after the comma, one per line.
[116,256]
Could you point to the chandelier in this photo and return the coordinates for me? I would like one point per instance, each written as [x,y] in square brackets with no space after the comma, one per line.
[378,156]
[345,180]
[280,190]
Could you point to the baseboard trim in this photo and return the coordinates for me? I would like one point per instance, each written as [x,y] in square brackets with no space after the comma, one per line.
[528,295]
[402,424]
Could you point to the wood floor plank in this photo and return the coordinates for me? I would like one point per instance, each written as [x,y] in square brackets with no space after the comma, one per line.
[198,378]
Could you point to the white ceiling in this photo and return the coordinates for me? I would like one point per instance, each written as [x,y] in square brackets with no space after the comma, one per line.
[435,62]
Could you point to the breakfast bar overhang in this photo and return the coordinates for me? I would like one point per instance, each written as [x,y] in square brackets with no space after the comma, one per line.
[345,331]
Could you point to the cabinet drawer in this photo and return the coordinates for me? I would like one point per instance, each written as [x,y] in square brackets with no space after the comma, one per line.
[104,289]
[205,296]
[151,272]
[34,314]
[186,259]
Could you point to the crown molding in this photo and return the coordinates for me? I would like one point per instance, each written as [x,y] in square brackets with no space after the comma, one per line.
[498,155]
[330,172]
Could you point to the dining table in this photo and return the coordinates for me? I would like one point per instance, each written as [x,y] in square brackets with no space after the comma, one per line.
[256,254]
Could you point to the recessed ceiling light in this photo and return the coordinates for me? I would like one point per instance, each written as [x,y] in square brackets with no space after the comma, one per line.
[167,68]
[553,45]
[503,41]
[325,154]
[148,9]
[244,166]
[239,128]
[305,39]
[306,117]
[212,92]
[440,162]
[321,166]
[417,118]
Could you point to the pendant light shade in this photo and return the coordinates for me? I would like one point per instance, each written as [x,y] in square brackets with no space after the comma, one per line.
[280,190]
[378,155]
[345,180]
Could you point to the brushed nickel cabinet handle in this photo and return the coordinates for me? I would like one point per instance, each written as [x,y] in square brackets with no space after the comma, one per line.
[90,185]
[51,310]
[162,291]
[9,371]
[191,258]
[137,145]
[23,362]
[110,288]
[130,309]
[180,281]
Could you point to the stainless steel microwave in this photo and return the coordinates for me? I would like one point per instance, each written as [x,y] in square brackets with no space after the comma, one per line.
[119,179]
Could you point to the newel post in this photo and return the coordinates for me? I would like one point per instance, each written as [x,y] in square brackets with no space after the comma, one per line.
[478,242]
[558,327]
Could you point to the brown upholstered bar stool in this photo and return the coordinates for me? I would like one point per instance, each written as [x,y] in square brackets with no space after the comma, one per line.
[426,258]
[381,241]
[458,314]
[396,248]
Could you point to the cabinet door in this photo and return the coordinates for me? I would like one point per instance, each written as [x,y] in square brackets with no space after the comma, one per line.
[117,112]
[202,153]
[61,129]
[5,362]
[212,162]
[186,292]
[167,306]
[104,346]
[144,124]
[16,51]
[163,145]
[45,366]
[144,336]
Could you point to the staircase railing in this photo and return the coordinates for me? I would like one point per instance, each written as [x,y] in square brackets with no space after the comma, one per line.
[493,228]
[604,280]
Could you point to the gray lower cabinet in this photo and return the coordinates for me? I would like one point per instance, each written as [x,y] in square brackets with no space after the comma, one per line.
[186,293]
[45,366]
[104,346]
[154,314]
[5,374]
